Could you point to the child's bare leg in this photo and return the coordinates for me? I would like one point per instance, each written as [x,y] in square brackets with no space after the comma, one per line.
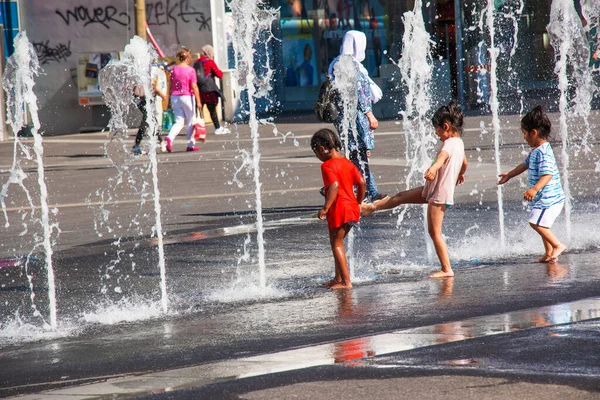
[342,274]
[435,217]
[411,196]
[337,278]
[331,282]
[557,247]
[545,258]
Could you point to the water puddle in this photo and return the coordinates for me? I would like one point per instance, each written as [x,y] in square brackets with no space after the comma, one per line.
[350,352]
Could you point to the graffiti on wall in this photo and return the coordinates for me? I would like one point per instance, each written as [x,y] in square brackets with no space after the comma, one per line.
[175,12]
[47,54]
[105,16]
[178,14]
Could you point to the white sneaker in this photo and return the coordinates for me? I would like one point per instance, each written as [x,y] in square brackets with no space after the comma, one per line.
[222,131]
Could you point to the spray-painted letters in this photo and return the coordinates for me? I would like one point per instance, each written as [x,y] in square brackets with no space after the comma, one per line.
[47,54]
[99,15]
[167,12]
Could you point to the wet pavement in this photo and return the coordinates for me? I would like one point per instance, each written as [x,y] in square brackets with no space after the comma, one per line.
[502,328]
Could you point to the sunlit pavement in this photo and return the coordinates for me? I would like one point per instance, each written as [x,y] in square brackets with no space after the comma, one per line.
[502,328]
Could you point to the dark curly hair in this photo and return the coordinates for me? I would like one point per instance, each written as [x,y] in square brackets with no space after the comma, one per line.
[326,138]
[451,114]
[537,119]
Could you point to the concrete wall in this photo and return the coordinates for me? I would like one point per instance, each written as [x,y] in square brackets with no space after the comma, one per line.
[62,29]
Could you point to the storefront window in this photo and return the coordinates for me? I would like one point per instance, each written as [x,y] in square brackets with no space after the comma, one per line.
[312,32]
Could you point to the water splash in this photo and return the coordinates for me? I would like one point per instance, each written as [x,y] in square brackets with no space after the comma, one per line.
[416,68]
[252,19]
[15,330]
[583,74]
[18,82]
[118,81]
[572,58]
[242,291]
[125,310]
[346,82]
[283,136]
[494,52]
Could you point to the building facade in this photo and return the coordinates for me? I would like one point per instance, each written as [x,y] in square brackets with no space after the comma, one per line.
[68,35]
[73,37]
[312,30]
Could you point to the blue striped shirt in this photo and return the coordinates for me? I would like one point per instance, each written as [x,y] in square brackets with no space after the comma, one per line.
[541,161]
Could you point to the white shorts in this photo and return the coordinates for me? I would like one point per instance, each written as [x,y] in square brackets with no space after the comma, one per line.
[545,217]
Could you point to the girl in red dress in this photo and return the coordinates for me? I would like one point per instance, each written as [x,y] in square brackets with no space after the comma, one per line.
[342,206]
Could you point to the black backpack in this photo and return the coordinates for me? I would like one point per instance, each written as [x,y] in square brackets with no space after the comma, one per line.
[206,83]
[328,104]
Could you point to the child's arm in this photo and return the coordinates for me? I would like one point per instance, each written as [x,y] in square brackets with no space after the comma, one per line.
[362,189]
[441,159]
[518,170]
[332,192]
[157,90]
[530,194]
[461,174]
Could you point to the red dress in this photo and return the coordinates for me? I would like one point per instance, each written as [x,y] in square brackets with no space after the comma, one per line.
[345,207]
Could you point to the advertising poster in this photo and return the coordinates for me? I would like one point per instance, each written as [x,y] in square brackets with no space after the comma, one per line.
[299,53]
[88,70]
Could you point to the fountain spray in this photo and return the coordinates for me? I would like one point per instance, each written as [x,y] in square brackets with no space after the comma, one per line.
[117,81]
[494,106]
[416,68]
[346,83]
[251,19]
[572,58]
[18,83]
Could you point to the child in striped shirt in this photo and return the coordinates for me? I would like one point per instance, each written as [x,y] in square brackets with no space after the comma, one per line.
[545,192]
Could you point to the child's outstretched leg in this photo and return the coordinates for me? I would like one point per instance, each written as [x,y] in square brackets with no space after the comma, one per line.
[435,217]
[411,196]
[342,275]
[547,236]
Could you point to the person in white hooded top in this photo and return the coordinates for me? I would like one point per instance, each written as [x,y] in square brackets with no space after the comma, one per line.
[360,139]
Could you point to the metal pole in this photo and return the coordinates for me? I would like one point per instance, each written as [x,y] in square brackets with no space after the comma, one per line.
[219,41]
[140,18]
[459,53]
[3,131]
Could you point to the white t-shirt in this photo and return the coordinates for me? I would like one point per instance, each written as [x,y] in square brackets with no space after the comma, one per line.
[440,190]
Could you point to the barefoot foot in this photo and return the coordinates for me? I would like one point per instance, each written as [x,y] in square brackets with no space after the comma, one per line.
[342,285]
[366,209]
[442,274]
[557,252]
[543,259]
[331,282]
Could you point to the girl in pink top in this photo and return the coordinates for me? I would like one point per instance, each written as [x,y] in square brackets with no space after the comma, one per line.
[445,173]
[184,89]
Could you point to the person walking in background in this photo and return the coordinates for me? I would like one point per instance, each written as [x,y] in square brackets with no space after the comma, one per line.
[545,192]
[442,176]
[360,143]
[342,206]
[184,90]
[206,71]
[140,101]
